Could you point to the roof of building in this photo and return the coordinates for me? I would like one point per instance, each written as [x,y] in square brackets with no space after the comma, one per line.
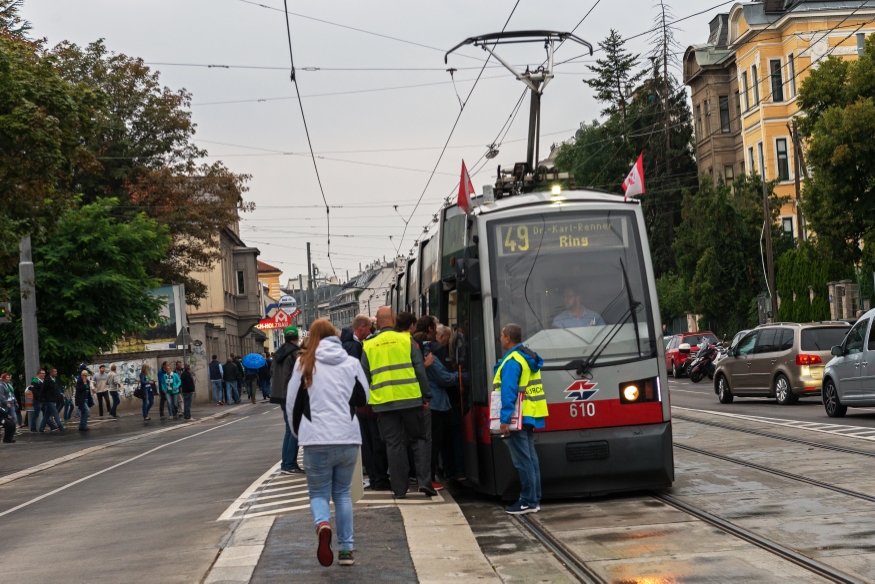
[758,13]
[266,267]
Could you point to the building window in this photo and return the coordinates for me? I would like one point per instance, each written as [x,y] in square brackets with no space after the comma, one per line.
[787,227]
[791,74]
[744,90]
[241,282]
[783,160]
[752,162]
[755,79]
[707,118]
[728,173]
[777,80]
[762,160]
[724,114]
[699,122]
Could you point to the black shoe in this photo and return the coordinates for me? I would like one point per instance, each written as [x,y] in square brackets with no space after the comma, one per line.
[83,429]
[429,492]
[9,441]
[381,486]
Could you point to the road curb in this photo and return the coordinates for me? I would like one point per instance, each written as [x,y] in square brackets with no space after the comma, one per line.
[85,451]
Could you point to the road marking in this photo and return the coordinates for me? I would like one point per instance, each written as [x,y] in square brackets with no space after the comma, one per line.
[834,429]
[55,462]
[122,463]
[233,507]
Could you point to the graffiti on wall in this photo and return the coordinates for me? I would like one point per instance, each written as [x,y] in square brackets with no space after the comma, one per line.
[129,373]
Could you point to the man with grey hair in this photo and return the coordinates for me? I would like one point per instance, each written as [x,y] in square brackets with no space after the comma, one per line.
[519,371]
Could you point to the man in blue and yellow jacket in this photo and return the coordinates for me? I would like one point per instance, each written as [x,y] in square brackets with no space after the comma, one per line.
[519,371]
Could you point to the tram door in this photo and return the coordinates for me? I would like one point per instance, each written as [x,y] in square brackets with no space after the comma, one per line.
[470,355]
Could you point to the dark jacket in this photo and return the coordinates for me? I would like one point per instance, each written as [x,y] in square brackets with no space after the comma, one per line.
[82,391]
[51,392]
[230,371]
[351,345]
[37,390]
[264,372]
[187,382]
[281,371]
[240,369]
[215,370]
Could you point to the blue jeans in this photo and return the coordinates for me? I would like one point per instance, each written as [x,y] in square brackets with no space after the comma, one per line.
[232,392]
[115,402]
[265,388]
[290,446]
[330,472]
[171,404]
[186,405]
[85,410]
[148,402]
[50,413]
[217,389]
[525,459]
[68,409]
[37,408]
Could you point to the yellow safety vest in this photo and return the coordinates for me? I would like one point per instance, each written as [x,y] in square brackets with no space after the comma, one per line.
[534,401]
[392,375]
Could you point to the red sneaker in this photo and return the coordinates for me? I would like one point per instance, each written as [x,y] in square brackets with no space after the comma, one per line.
[437,486]
[323,553]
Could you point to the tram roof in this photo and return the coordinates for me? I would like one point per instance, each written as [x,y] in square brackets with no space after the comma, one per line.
[571,196]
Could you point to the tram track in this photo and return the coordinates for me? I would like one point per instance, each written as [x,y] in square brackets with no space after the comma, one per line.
[566,557]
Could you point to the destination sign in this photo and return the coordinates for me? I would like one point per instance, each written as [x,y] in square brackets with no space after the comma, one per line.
[561,234]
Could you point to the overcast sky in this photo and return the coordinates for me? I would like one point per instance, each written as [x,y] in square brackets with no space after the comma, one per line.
[377,147]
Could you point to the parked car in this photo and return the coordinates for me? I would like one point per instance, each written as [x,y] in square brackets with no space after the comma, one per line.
[675,359]
[849,378]
[782,360]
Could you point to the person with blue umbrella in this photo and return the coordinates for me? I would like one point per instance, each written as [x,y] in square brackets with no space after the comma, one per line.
[252,363]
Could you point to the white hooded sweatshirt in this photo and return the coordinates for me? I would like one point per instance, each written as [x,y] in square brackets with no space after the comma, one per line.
[329,417]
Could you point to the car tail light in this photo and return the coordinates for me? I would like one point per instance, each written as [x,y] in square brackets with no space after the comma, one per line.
[808,360]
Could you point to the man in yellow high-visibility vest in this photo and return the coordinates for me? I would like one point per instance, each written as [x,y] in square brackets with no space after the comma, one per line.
[519,371]
[399,394]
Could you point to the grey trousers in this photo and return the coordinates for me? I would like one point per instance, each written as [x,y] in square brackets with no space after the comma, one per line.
[395,429]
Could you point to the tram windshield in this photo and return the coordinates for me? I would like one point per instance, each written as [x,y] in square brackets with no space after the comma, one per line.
[563,278]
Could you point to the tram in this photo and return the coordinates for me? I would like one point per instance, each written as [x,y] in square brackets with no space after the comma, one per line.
[573,269]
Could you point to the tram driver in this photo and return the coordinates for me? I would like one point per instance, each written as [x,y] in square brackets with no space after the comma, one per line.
[575,314]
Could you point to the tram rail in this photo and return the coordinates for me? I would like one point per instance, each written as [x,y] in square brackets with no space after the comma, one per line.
[569,559]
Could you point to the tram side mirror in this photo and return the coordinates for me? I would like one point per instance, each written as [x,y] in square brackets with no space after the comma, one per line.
[684,348]
[468,275]
[836,351]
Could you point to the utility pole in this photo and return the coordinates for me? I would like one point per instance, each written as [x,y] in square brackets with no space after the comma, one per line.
[767,232]
[27,279]
[310,308]
[799,168]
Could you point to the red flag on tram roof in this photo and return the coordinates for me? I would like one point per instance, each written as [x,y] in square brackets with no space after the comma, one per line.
[466,190]
[634,183]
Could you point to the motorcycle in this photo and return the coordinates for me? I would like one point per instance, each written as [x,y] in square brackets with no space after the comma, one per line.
[704,362]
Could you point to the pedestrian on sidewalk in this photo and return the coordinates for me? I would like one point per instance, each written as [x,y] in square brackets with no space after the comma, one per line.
[229,372]
[452,451]
[217,380]
[147,387]
[83,393]
[172,384]
[6,423]
[7,393]
[251,382]
[51,392]
[36,390]
[374,457]
[395,369]
[241,372]
[19,402]
[283,365]
[325,387]
[101,389]
[187,390]
[178,370]
[163,372]
[264,376]
[113,382]
[521,368]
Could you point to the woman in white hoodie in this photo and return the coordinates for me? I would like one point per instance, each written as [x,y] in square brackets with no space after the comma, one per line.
[326,387]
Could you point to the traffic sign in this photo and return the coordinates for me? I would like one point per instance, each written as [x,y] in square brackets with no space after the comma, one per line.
[581,390]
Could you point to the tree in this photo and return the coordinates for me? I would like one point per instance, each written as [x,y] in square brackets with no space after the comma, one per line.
[44,121]
[11,24]
[674,299]
[91,284]
[838,100]
[150,162]
[616,75]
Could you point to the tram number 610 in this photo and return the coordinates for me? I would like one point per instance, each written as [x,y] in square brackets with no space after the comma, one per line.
[584,410]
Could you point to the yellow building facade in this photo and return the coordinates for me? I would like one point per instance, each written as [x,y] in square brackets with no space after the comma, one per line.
[777,43]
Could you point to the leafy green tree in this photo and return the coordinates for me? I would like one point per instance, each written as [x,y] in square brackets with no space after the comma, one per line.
[674,299]
[150,163]
[799,272]
[91,284]
[11,24]
[43,121]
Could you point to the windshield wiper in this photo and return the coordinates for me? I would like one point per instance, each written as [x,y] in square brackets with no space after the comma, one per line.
[584,366]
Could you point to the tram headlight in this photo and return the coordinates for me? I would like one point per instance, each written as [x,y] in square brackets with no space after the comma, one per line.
[636,392]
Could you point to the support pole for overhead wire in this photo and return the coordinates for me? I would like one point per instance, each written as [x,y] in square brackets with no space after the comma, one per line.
[797,168]
[767,234]
[534,111]
[27,279]
[310,309]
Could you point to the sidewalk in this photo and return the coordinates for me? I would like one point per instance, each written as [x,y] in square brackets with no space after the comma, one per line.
[420,539]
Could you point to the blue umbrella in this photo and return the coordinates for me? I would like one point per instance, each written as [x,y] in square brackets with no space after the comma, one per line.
[253,361]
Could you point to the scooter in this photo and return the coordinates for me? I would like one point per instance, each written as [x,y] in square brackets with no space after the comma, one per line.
[703,364]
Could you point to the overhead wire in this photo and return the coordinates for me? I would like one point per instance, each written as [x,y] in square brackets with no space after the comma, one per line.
[307,132]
